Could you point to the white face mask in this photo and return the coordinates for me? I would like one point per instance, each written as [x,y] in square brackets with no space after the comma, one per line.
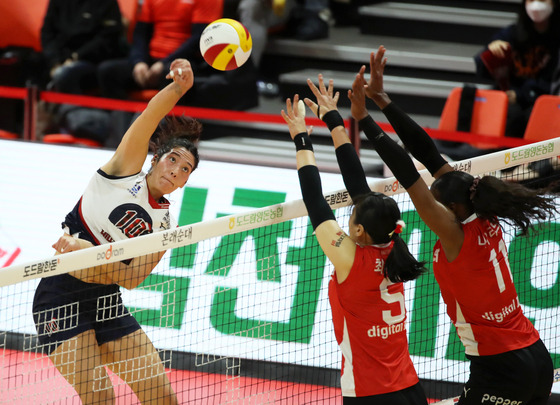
[538,11]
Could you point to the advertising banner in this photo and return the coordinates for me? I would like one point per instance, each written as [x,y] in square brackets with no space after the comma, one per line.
[203,292]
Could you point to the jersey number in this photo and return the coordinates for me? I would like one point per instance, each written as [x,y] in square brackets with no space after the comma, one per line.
[497,270]
[132,225]
[389,298]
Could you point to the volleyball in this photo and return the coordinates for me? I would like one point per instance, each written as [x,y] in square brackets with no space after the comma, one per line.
[225,44]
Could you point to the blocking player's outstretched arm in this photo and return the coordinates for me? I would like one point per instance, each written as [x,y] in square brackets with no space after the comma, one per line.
[348,161]
[437,217]
[335,243]
[413,136]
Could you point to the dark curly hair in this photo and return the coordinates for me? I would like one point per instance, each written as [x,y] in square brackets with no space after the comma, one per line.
[173,132]
[493,198]
[378,214]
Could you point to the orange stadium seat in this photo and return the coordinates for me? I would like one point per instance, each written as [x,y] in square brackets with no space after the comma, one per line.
[67,139]
[544,122]
[20,23]
[8,135]
[488,114]
[129,10]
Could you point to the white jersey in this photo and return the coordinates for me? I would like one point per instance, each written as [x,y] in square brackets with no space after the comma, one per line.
[116,208]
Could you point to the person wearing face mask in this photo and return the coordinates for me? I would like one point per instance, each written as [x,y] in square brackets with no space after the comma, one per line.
[521,59]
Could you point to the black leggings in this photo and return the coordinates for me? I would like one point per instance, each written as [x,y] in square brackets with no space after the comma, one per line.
[522,376]
[413,395]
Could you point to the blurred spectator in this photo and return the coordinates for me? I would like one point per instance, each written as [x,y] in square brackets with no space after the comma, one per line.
[75,37]
[555,88]
[309,20]
[521,59]
[171,29]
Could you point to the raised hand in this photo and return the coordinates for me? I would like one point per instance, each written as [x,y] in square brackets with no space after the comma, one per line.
[357,96]
[374,88]
[181,72]
[326,101]
[295,116]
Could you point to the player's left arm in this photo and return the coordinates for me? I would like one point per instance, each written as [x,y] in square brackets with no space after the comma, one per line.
[126,275]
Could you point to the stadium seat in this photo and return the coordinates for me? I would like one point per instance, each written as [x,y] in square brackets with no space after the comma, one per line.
[8,135]
[544,122]
[20,23]
[67,139]
[129,10]
[488,114]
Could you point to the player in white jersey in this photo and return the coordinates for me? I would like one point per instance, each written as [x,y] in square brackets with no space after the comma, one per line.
[80,318]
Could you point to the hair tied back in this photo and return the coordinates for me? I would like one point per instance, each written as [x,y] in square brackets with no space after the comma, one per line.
[398,228]
[473,187]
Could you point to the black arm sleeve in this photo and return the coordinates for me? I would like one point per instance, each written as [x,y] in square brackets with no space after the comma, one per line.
[414,138]
[351,170]
[318,209]
[392,154]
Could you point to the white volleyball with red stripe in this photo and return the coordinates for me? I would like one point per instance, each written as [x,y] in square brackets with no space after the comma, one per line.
[226,44]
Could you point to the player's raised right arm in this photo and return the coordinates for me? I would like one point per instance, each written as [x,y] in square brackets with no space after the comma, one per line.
[413,136]
[133,148]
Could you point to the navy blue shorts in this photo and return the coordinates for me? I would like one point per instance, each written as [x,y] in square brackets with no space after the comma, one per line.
[64,307]
[522,376]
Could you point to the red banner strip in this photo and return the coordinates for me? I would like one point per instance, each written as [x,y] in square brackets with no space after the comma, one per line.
[13,92]
[237,116]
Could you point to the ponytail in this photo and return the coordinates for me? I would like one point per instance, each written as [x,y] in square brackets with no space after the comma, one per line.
[491,198]
[515,203]
[400,265]
[381,218]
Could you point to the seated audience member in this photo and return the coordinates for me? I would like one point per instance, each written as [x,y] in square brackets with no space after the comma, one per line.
[309,20]
[167,30]
[521,59]
[555,88]
[75,37]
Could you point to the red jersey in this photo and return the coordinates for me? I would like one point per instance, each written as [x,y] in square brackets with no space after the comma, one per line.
[172,21]
[369,323]
[478,289]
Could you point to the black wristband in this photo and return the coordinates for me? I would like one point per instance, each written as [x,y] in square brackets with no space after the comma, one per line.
[333,119]
[303,142]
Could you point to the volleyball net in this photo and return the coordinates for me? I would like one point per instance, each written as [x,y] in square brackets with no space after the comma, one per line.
[238,306]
